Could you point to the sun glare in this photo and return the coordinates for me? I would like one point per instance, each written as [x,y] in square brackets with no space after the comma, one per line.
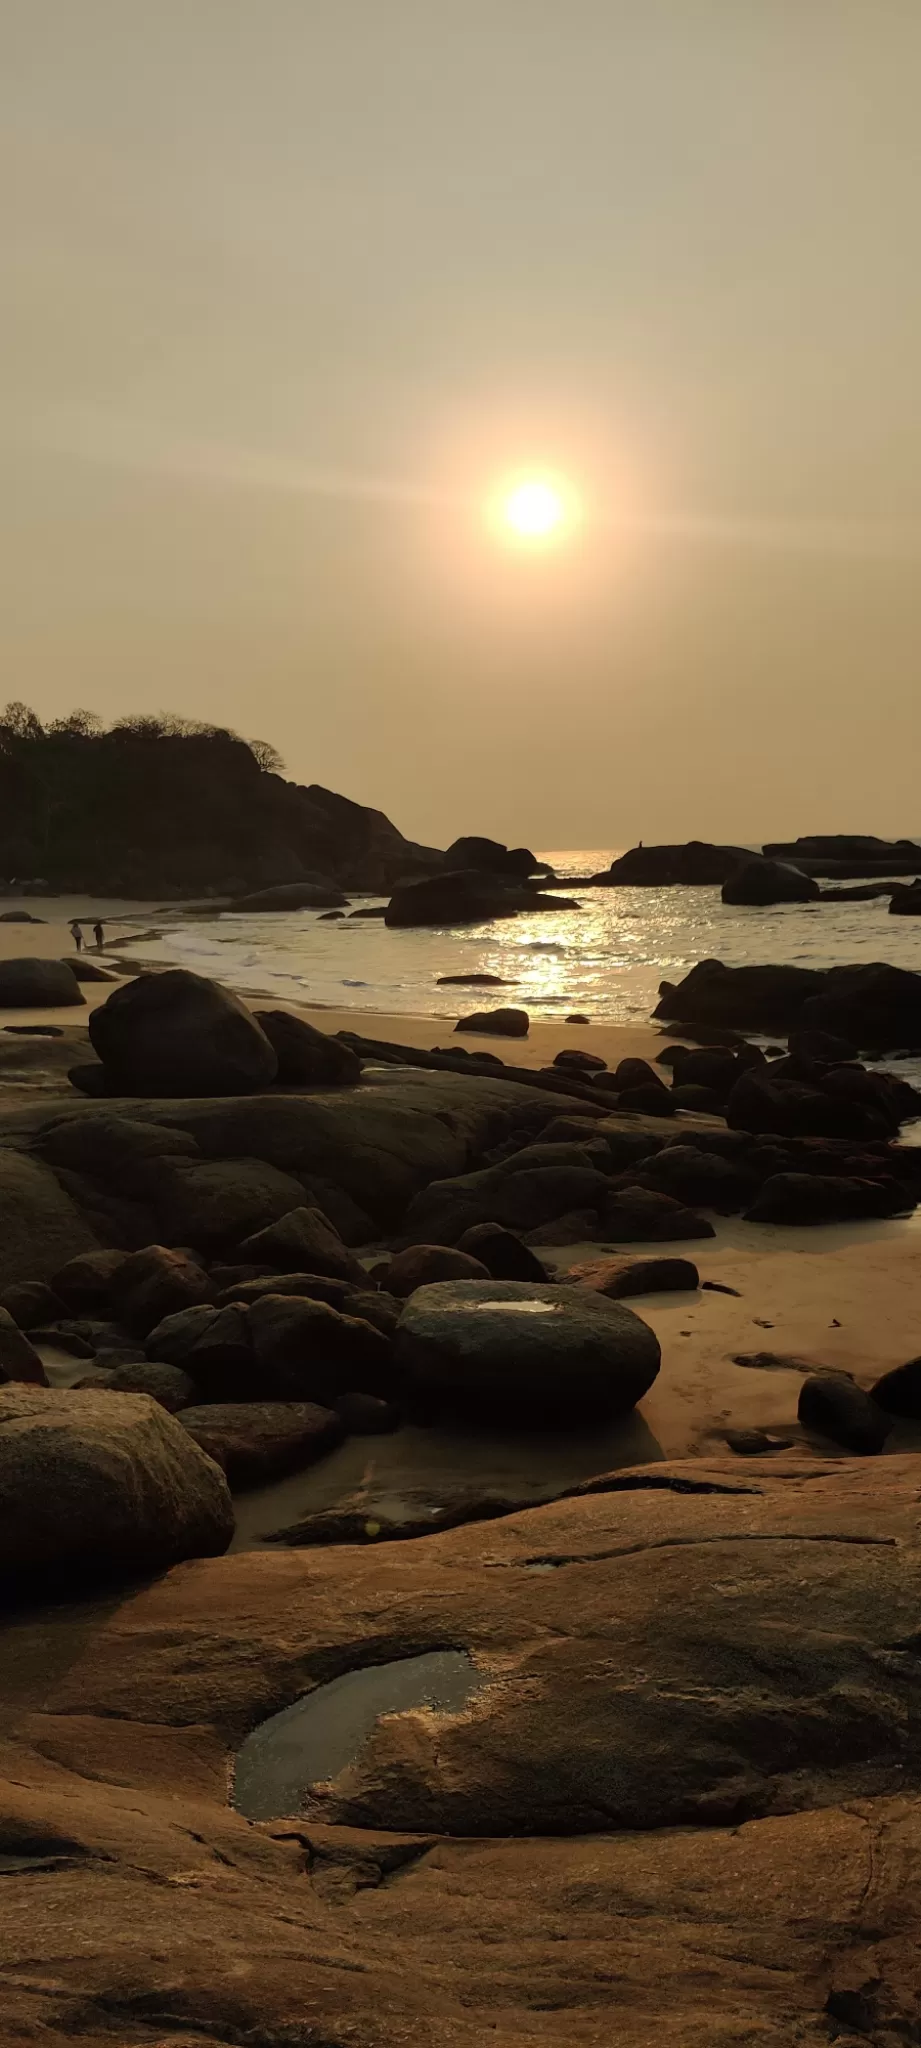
[536,510]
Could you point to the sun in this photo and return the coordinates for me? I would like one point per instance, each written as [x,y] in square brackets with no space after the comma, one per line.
[536,509]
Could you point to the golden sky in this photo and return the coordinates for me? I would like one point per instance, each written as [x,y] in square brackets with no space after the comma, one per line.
[292,289]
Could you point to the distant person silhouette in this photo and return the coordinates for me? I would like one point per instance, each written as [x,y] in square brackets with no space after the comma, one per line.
[76,933]
[98,934]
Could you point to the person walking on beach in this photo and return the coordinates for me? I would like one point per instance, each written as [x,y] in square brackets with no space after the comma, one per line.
[76,933]
[99,935]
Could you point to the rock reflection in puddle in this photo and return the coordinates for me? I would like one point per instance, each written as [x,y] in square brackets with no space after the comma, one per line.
[323,1732]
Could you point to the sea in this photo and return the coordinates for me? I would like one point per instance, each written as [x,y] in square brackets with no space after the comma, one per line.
[604,961]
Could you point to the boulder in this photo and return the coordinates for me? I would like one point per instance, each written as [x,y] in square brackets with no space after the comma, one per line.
[19,1359]
[633,1073]
[700,1179]
[218,1203]
[503,1254]
[287,896]
[168,1384]
[497,1023]
[877,1007]
[580,1062]
[899,1392]
[695,865]
[768,1101]
[491,855]
[906,902]
[524,1352]
[87,1281]
[762,882]
[652,1100]
[256,1442]
[823,1047]
[87,970]
[40,1227]
[306,1351]
[93,1488]
[211,1345]
[861,852]
[814,1198]
[748,998]
[834,1407]
[422,1264]
[157,1282]
[122,1152]
[304,1241]
[179,1034]
[520,1197]
[618,1279]
[31,1304]
[366,1415]
[307,1057]
[637,1215]
[467,896]
[38,985]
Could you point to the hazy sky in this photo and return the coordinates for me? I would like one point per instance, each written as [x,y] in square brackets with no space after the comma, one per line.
[289,286]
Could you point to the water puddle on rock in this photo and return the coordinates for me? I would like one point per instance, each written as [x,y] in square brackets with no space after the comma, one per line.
[320,1734]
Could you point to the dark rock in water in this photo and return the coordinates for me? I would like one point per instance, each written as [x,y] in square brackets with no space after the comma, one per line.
[899,1391]
[304,1241]
[292,896]
[696,865]
[838,1409]
[769,881]
[749,998]
[877,1007]
[365,1415]
[822,1046]
[89,1078]
[168,1384]
[585,1062]
[38,985]
[525,1351]
[474,981]
[157,1282]
[96,1488]
[618,1279]
[813,1198]
[87,1281]
[497,1023]
[370,910]
[503,1254]
[421,1264]
[34,1030]
[636,1215]
[496,859]
[828,852]
[906,902]
[307,1057]
[752,1443]
[31,1303]
[329,916]
[577,1018]
[20,917]
[306,1351]
[865,892]
[179,1034]
[467,897]
[255,1442]
[19,1359]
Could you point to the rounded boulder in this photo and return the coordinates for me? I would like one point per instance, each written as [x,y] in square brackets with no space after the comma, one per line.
[525,1350]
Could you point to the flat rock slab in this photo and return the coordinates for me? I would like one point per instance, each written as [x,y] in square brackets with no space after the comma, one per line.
[696,1645]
